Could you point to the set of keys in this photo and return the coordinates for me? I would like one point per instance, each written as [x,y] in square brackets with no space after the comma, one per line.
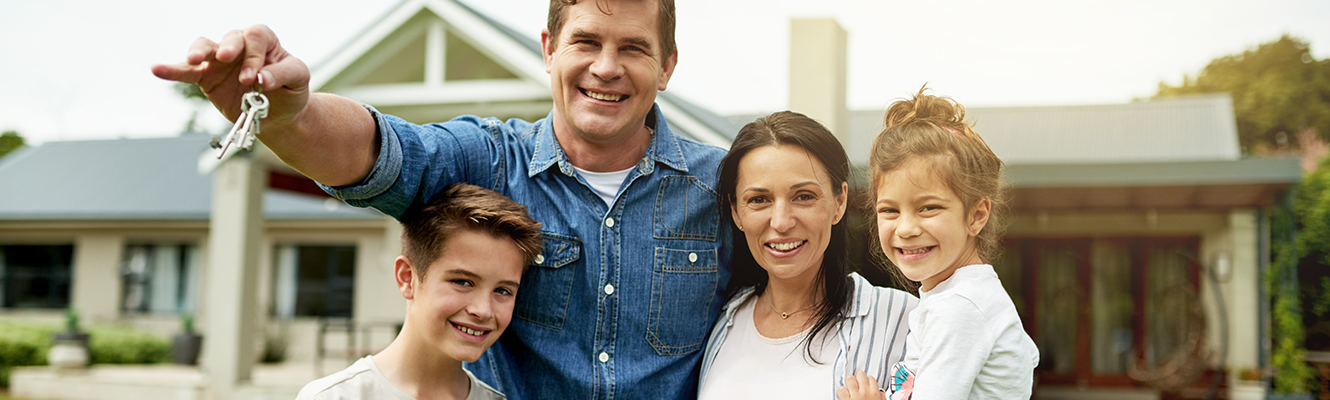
[253,107]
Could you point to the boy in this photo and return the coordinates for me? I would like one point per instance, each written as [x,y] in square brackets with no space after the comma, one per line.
[463,255]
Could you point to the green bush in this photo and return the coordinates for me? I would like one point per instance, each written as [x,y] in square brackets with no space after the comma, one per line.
[22,345]
[26,345]
[121,345]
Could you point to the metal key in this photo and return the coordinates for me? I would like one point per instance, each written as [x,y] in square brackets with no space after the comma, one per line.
[253,107]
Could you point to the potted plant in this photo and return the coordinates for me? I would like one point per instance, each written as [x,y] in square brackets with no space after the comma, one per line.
[186,345]
[1249,385]
[69,348]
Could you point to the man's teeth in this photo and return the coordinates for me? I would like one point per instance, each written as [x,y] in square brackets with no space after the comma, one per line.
[602,96]
[920,250]
[470,331]
[785,246]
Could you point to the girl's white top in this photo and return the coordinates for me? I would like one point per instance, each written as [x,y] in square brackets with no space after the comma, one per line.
[967,342]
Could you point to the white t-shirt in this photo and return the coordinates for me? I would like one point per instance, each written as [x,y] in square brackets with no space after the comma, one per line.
[967,342]
[606,184]
[752,366]
[364,380]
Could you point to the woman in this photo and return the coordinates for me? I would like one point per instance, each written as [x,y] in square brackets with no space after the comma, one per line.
[795,324]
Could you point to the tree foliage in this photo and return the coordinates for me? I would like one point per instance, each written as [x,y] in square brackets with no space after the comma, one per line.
[1311,203]
[10,141]
[1278,90]
[1297,281]
[190,91]
[1288,335]
[193,93]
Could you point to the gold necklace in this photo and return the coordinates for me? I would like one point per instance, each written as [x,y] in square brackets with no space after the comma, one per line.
[771,301]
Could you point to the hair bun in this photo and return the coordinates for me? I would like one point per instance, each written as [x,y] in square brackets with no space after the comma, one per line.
[940,111]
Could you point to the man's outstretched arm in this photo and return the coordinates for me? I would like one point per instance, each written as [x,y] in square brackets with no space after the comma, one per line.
[329,138]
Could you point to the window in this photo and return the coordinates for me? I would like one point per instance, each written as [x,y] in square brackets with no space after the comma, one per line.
[1095,306]
[313,281]
[159,278]
[36,276]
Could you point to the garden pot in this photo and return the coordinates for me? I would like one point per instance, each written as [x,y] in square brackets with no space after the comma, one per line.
[68,350]
[185,348]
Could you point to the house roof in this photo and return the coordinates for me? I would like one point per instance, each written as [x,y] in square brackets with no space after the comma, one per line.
[1185,128]
[135,179]
[1223,184]
[519,53]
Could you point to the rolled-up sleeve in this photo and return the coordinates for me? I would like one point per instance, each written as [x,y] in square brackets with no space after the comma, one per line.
[417,161]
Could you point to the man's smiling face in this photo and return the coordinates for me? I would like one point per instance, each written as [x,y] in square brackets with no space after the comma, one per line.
[605,70]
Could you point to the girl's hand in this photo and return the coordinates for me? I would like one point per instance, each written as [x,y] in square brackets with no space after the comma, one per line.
[860,386]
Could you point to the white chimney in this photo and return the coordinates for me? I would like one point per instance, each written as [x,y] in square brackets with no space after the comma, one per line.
[818,72]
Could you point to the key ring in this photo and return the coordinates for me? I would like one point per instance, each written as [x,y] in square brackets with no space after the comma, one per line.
[259,81]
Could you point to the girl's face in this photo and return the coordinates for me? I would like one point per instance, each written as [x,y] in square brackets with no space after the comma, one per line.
[786,204]
[923,225]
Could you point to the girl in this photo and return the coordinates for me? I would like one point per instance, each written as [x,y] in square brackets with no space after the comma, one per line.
[937,188]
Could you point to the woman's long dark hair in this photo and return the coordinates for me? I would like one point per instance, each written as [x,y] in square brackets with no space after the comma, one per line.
[787,127]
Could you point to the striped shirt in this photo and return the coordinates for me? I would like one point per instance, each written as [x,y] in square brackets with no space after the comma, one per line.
[872,335]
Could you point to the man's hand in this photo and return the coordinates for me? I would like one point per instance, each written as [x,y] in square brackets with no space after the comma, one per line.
[328,138]
[860,386]
[228,69]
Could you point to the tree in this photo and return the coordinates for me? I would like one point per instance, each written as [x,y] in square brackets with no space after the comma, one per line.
[10,141]
[1278,89]
[1311,204]
[1298,282]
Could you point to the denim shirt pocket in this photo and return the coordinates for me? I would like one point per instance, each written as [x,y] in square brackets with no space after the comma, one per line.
[683,286]
[686,209]
[547,285]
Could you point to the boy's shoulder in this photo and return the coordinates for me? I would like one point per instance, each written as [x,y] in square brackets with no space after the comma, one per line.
[481,391]
[361,380]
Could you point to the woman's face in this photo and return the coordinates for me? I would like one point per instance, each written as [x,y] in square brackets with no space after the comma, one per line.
[785,205]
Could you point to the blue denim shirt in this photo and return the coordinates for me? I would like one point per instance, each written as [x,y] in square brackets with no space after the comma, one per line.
[620,303]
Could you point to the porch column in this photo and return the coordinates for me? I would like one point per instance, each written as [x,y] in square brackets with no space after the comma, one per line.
[1243,298]
[235,231]
[96,284]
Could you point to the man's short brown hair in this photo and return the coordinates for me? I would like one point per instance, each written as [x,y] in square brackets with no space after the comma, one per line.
[664,21]
[466,206]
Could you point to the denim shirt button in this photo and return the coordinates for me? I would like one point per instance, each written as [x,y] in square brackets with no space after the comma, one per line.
[540,258]
[604,357]
[609,289]
[609,222]
[692,257]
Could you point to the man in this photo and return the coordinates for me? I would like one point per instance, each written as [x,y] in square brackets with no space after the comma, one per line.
[634,264]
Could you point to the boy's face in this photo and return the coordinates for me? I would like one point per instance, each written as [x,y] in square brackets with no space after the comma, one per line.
[465,300]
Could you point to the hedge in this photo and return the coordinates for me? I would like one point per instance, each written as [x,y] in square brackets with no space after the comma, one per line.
[22,345]
[27,345]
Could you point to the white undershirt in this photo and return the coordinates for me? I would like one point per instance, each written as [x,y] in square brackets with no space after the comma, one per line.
[606,184]
[752,366]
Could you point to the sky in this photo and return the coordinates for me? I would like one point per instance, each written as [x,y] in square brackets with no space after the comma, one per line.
[79,69]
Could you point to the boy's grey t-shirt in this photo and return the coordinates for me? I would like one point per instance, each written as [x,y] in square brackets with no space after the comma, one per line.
[363,380]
